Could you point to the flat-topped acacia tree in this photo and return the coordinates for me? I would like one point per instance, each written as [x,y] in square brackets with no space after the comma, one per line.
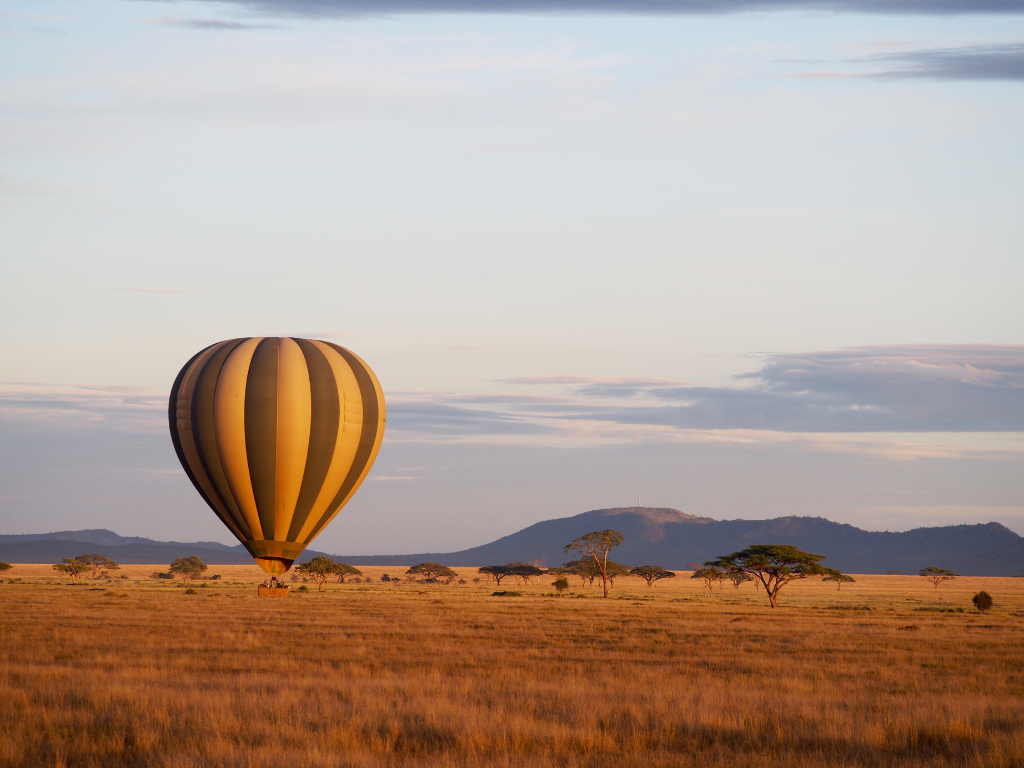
[596,546]
[774,565]
[937,575]
[319,569]
[432,571]
[652,574]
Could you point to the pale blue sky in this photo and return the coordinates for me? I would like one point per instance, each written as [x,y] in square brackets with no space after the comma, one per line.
[494,210]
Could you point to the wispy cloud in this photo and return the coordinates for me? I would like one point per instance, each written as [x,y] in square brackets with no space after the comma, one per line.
[161,291]
[980,62]
[334,8]
[1004,61]
[899,402]
[116,408]
[190,22]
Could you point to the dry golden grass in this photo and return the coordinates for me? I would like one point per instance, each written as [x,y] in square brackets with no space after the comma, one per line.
[137,673]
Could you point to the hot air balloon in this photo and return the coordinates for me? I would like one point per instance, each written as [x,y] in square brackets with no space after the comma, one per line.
[276,434]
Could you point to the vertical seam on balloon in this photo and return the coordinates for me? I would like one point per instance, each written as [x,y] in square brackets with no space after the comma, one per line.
[199,475]
[251,516]
[353,482]
[212,458]
[323,432]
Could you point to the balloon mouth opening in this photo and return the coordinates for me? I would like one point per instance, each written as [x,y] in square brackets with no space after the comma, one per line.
[275,566]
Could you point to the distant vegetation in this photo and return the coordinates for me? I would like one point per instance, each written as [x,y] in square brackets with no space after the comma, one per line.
[596,546]
[652,574]
[982,601]
[72,567]
[840,579]
[188,567]
[432,572]
[937,575]
[774,565]
[5,567]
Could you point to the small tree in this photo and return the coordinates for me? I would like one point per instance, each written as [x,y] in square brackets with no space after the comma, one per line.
[615,570]
[73,568]
[982,601]
[560,585]
[587,570]
[522,571]
[319,569]
[98,563]
[5,567]
[344,569]
[709,577]
[652,574]
[188,567]
[937,575]
[596,546]
[496,572]
[432,571]
[738,578]
[774,565]
[840,579]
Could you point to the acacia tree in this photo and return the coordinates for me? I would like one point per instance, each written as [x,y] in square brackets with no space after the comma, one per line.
[98,563]
[596,546]
[652,574]
[560,584]
[432,571]
[774,565]
[709,577]
[496,572]
[5,567]
[524,571]
[615,570]
[319,569]
[738,578]
[587,570]
[73,568]
[344,569]
[840,579]
[188,567]
[937,575]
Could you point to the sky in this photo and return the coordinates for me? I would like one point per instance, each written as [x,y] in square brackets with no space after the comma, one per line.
[740,258]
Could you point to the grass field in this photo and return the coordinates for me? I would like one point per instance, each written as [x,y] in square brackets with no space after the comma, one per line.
[135,672]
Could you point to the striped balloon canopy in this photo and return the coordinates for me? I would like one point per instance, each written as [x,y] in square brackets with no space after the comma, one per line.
[276,434]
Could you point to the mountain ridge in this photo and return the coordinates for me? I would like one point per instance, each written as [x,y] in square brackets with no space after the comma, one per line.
[654,535]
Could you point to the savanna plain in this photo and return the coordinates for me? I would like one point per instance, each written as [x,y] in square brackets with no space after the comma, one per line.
[137,672]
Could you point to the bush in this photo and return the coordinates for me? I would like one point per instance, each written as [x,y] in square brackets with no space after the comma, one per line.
[982,601]
[303,588]
[507,594]
[191,591]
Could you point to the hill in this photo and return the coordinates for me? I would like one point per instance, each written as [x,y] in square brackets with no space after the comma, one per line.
[51,547]
[657,536]
[673,539]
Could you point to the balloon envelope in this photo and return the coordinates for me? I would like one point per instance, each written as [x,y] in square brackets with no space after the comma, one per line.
[276,434]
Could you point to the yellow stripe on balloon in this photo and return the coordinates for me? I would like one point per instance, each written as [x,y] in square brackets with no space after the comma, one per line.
[378,439]
[351,408]
[294,413]
[229,424]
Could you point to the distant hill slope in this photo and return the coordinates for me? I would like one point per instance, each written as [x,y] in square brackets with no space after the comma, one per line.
[51,547]
[673,539]
[655,536]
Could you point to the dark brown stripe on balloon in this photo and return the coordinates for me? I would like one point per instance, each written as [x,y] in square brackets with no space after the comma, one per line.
[261,430]
[371,417]
[172,417]
[205,435]
[323,432]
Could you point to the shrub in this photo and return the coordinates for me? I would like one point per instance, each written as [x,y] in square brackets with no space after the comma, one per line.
[191,591]
[507,593]
[982,601]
